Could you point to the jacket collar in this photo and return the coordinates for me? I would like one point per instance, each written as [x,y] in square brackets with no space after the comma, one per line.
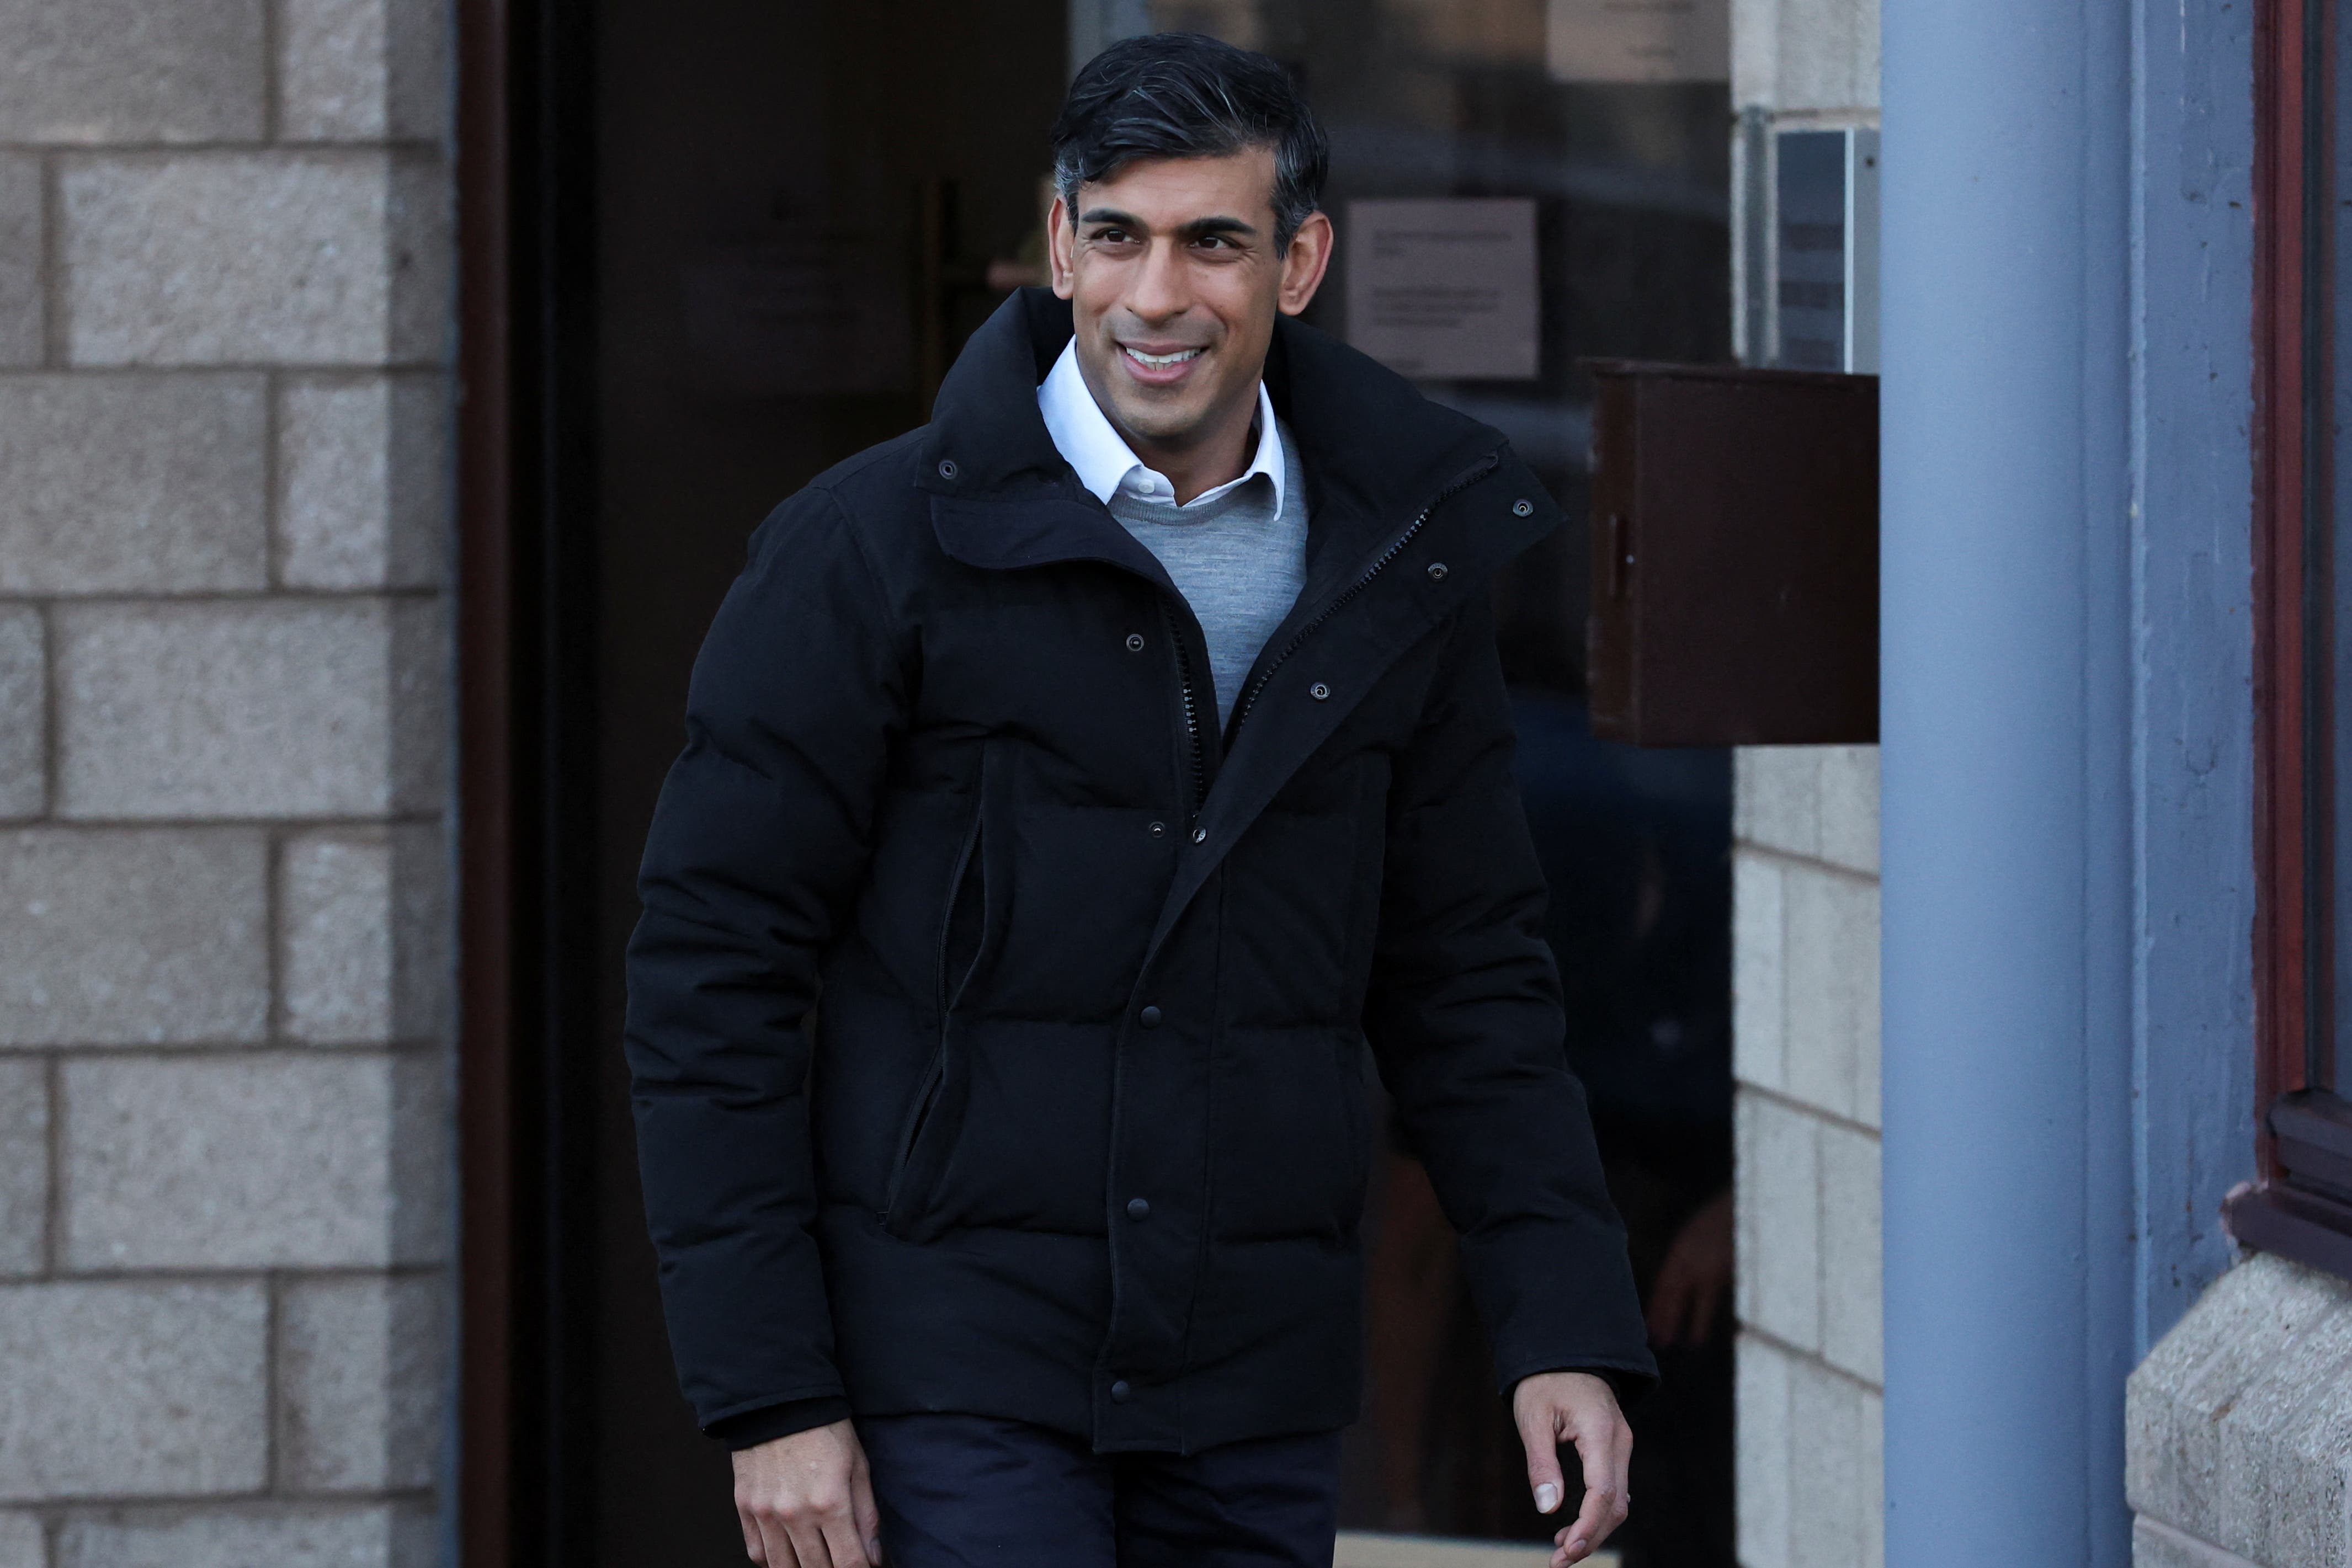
[1375,451]
[1379,458]
[1085,434]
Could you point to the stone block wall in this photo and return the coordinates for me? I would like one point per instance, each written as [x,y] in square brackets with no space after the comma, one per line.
[1806,59]
[1805,966]
[2238,1427]
[1805,1057]
[226,333]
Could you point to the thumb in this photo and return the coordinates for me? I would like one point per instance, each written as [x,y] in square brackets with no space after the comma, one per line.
[868,1516]
[1542,1443]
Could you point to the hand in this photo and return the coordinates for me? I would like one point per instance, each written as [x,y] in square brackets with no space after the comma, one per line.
[1694,1278]
[1580,1408]
[807,1501]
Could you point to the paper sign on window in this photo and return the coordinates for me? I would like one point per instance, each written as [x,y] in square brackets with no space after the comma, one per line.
[1444,290]
[1638,40]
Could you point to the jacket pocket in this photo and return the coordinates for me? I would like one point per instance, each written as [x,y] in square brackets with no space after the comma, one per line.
[969,917]
[962,921]
[894,1200]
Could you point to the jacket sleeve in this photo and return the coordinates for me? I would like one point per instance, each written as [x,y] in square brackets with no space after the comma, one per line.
[758,842]
[1465,1022]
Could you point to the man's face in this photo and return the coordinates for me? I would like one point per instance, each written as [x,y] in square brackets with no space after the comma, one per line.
[1171,273]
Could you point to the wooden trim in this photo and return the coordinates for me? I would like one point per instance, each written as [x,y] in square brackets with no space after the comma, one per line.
[2314,1129]
[2302,1205]
[2285,965]
[485,732]
[2305,1227]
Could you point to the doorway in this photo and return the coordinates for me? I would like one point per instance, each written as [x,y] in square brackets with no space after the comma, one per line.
[750,247]
[796,202]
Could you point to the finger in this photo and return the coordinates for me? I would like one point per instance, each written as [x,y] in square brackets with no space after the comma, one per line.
[862,1508]
[1593,1523]
[1541,1441]
[749,1525]
[776,1541]
[808,1549]
[1605,1448]
[844,1542]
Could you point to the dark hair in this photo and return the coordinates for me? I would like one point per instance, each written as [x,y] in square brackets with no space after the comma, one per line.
[1184,95]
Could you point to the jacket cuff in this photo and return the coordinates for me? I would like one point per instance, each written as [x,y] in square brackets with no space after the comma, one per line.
[1559,1297]
[750,1428]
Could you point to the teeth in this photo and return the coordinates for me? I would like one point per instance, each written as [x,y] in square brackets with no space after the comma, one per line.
[1161,361]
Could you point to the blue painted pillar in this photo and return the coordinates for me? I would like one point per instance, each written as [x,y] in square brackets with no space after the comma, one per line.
[2006,283]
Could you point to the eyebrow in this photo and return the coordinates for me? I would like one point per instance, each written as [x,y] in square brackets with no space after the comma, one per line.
[1198,228]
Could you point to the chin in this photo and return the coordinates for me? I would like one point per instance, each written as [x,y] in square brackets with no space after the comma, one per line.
[1160,421]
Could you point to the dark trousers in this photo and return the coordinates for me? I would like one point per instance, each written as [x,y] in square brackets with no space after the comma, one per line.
[956,1491]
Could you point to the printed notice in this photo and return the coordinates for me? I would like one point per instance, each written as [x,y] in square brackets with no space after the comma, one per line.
[1444,290]
[1638,40]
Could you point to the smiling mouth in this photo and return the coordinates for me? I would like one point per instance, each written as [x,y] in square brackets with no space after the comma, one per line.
[1161,361]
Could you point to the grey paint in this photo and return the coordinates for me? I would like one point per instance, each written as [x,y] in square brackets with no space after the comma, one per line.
[1862,251]
[2065,741]
[1751,307]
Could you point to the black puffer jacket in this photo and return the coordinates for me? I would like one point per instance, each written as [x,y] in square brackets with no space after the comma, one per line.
[1079,1133]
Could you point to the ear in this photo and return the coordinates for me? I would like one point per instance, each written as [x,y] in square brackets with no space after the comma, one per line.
[1061,249]
[1304,264]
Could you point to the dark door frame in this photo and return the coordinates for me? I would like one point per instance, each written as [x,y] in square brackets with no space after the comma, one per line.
[524,592]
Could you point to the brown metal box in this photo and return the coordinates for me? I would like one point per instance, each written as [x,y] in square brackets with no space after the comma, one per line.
[1735,556]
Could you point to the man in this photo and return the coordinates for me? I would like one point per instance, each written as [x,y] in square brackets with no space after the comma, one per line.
[1116,754]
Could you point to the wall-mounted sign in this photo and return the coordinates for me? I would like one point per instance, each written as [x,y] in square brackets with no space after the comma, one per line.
[1638,40]
[1825,250]
[1444,290]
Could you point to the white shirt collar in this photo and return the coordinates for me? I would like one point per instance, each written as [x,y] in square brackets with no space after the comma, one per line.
[1093,445]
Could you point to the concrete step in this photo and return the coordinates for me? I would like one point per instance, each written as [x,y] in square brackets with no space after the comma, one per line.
[1363,1548]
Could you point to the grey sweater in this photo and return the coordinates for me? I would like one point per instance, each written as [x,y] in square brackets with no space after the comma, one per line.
[1238,562]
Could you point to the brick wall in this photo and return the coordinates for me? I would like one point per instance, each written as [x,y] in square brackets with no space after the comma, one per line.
[225,411]
[1805,1055]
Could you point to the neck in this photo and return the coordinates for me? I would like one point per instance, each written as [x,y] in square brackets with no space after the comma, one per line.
[1215,452]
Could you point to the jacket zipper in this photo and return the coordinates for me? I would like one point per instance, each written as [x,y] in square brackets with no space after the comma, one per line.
[1461,482]
[1192,707]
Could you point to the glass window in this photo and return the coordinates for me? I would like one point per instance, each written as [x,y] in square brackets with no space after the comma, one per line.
[2303,529]
[1519,184]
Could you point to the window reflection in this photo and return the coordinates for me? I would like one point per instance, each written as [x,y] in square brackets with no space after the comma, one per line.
[1626,183]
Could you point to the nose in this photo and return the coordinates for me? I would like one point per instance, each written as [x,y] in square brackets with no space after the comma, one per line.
[1160,292]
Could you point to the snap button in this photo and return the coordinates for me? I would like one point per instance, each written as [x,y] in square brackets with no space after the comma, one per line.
[1199,835]
[1134,642]
[1149,1017]
[1437,572]
[1319,692]
[1121,1392]
[1159,830]
[1522,509]
[1139,1208]
[947,468]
